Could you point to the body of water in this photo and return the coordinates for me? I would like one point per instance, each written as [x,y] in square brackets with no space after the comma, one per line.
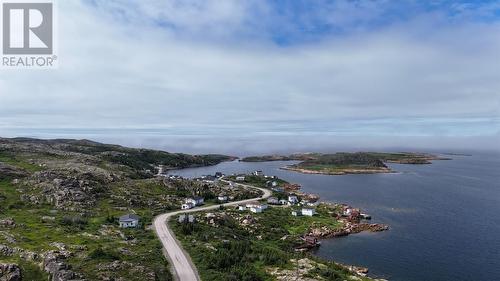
[444,217]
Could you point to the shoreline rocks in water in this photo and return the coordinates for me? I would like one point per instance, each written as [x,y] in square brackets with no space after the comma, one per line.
[352,220]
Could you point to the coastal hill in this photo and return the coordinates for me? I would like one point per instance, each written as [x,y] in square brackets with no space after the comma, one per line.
[60,201]
[347,163]
[135,160]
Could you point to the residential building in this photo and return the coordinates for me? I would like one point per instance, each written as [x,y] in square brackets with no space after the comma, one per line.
[308,212]
[273,201]
[129,220]
[293,199]
[222,198]
[258,173]
[240,178]
[283,201]
[196,201]
[256,207]
[187,206]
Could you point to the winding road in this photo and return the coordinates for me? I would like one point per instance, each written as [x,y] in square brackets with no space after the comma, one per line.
[184,269]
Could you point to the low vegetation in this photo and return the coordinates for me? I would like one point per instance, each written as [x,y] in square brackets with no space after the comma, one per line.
[60,201]
[233,245]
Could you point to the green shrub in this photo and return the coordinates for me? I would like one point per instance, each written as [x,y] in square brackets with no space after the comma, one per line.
[100,254]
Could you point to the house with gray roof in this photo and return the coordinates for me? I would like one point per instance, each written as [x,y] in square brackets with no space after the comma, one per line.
[129,221]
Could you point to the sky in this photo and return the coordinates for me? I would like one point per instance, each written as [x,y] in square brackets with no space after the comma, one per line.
[225,75]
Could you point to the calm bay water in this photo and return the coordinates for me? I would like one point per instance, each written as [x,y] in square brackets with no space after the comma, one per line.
[444,217]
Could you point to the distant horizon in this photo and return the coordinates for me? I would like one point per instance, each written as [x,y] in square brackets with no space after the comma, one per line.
[242,146]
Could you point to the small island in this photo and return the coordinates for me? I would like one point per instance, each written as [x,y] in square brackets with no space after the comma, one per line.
[343,163]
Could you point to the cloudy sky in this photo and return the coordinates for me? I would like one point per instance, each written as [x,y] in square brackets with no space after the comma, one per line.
[357,71]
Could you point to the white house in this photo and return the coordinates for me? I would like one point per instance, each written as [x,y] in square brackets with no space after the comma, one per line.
[242,208]
[308,212]
[258,173]
[273,201]
[222,198]
[195,201]
[347,212]
[128,221]
[292,199]
[240,178]
[256,207]
[187,206]
[283,201]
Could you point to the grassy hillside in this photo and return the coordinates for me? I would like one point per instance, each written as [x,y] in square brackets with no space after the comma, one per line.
[60,201]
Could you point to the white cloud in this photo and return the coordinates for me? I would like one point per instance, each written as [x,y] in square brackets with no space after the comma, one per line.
[132,73]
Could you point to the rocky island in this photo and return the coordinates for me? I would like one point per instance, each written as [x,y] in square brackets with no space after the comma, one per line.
[343,163]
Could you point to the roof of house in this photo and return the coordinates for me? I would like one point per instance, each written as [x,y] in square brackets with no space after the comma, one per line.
[129,217]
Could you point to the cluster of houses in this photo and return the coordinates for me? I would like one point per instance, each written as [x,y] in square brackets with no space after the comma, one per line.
[210,178]
[258,173]
[190,203]
[162,172]
[293,200]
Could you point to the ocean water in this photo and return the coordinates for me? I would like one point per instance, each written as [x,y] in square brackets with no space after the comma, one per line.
[444,218]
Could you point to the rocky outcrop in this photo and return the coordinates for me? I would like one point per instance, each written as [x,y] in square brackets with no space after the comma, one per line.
[69,191]
[6,251]
[372,227]
[302,272]
[54,264]
[10,272]
[22,253]
[108,271]
[7,222]
[349,228]
[326,232]
[8,171]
